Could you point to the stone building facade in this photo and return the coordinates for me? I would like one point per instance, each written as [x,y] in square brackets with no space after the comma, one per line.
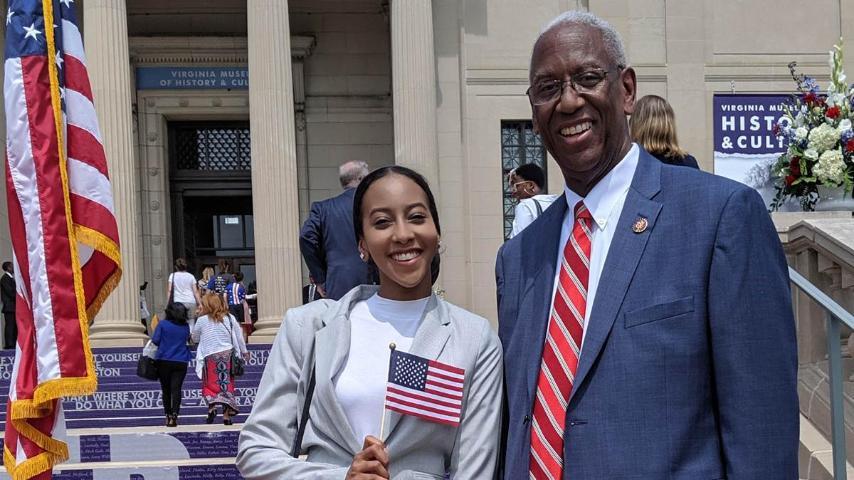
[437,85]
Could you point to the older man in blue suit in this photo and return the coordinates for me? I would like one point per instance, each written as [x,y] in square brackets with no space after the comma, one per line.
[327,241]
[645,316]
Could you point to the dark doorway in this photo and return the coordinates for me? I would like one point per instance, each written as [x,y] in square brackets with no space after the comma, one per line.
[211,192]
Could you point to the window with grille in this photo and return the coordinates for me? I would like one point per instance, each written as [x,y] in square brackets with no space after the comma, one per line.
[519,145]
[210,147]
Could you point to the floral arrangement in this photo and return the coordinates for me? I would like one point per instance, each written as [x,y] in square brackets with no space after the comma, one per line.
[818,131]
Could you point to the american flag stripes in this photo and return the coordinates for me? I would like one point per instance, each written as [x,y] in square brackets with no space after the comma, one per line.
[424,388]
[62,225]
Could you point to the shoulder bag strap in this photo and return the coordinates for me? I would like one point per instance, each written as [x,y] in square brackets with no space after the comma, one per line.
[303,420]
[171,289]
[539,207]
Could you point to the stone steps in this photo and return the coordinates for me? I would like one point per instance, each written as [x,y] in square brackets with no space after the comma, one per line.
[119,433]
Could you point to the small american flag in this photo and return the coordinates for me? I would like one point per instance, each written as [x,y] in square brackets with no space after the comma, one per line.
[424,388]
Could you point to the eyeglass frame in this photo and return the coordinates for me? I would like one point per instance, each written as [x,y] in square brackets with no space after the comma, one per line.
[572,82]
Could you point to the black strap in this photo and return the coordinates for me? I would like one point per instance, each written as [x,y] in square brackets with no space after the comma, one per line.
[171,289]
[303,421]
[539,207]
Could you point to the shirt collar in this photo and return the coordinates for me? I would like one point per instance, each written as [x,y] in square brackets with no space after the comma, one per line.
[605,195]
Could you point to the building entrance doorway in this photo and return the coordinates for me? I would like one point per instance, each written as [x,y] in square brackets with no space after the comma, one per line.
[211,193]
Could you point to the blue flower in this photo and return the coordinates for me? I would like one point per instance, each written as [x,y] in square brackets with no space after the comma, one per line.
[811,84]
[846,135]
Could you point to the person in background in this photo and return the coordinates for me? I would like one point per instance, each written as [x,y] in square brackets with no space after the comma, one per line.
[527,185]
[653,126]
[207,274]
[7,296]
[219,283]
[182,288]
[327,242]
[235,297]
[347,341]
[217,333]
[173,355]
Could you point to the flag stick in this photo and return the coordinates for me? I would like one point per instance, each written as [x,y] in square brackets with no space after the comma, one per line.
[392,347]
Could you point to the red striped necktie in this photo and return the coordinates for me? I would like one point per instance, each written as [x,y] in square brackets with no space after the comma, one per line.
[561,351]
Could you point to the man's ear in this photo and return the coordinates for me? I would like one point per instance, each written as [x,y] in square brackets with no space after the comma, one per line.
[629,81]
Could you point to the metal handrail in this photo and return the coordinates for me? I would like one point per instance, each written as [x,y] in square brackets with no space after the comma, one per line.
[821,298]
[835,315]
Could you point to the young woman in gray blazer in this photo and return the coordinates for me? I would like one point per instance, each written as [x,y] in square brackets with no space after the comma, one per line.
[345,344]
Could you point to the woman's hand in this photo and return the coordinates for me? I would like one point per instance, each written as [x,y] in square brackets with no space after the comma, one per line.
[371,463]
[246,356]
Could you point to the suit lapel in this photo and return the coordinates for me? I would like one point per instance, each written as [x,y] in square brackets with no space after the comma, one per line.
[332,346]
[540,252]
[429,341]
[624,254]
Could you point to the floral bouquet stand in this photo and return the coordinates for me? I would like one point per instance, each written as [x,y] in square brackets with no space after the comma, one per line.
[817,169]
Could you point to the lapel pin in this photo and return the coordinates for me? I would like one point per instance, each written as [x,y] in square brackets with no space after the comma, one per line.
[640,225]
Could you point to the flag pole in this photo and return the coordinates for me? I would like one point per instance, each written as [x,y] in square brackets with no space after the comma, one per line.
[391,346]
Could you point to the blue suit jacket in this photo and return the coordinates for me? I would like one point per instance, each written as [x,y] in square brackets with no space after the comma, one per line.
[328,245]
[688,368]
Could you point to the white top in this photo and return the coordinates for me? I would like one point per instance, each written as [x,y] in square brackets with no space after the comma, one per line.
[214,337]
[605,202]
[526,211]
[361,385]
[183,283]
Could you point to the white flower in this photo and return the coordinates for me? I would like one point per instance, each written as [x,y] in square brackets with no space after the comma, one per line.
[835,99]
[801,133]
[830,169]
[824,137]
[811,153]
[843,126]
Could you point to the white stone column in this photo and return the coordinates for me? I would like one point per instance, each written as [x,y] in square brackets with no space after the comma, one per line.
[275,200]
[414,88]
[107,59]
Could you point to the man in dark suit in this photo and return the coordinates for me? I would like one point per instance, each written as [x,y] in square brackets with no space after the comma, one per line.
[328,242]
[7,296]
[646,315]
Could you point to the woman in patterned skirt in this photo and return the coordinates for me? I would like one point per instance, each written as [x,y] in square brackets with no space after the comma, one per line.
[218,334]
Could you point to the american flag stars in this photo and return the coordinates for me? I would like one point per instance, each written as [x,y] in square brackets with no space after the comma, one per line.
[32,31]
[411,374]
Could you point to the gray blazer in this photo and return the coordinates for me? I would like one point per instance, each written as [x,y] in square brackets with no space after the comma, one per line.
[417,449]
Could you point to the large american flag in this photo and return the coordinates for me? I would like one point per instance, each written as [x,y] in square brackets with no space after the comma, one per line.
[424,388]
[62,225]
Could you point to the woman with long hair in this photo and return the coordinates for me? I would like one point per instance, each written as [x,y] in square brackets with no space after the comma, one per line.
[343,349]
[207,274]
[218,334]
[173,355]
[653,126]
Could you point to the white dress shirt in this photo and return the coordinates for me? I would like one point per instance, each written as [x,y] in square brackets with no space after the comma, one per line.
[526,211]
[605,202]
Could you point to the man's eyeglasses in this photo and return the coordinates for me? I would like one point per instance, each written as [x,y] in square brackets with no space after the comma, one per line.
[548,91]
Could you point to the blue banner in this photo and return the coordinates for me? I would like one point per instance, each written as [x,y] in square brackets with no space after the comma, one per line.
[743,123]
[194,78]
[745,145]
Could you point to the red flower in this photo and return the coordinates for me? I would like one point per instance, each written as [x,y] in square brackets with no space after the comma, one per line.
[833,112]
[849,145]
[810,98]
[795,167]
[790,180]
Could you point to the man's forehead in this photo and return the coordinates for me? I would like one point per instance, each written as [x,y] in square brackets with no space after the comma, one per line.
[579,42]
